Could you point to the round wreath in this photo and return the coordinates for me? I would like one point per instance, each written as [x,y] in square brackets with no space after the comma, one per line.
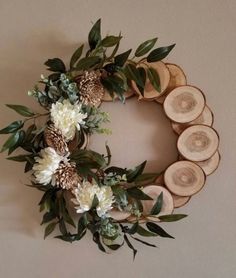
[113,203]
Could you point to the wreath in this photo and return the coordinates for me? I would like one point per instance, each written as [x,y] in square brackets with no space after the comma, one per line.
[81,191]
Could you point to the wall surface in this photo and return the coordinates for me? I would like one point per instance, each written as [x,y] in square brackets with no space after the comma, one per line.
[32,31]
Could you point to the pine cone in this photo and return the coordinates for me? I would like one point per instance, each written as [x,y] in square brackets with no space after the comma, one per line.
[66,176]
[54,139]
[91,89]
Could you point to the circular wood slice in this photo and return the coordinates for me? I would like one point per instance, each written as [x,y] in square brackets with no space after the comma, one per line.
[106,97]
[210,165]
[206,118]
[150,93]
[133,219]
[119,215]
[154,191]
[184,104]
[184,178]
[180,201]
[177,78]
[198,143]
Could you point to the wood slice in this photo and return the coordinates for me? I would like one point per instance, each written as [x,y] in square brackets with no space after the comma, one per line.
[107,98]
[206,118]
[150,93]
[133,219]
[184,178]
[154,191]
[184,104]
[119,215]
[177,78]
[160,179]
[210,165]
[180,201]
[198,143]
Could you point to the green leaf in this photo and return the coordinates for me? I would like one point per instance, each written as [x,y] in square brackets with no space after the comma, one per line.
[115,84]
[75,57]
[157,229]
[138,170]
[145,179]
[49,229]
[82,223]
[154,78]
[159,53]
[122,58]
[56,65]
[110,41]
[94,36]
[143,76]
[133,229]
[130,246]
[62,227]
[132,73]
[137,193]
[95,202]
[18,143]
[87,62]
[96,239]
[19,158]
[156,209]
[88,158]
[11,141]
[114,246]
[12,127]
[108,155]
[145,47]
[172,217]
[120,194]
[143,232]
[22,110]
[143,242]
[48,216]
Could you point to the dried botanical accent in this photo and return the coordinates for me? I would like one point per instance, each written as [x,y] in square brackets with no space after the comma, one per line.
[54,139]
[91,88]
[66,176]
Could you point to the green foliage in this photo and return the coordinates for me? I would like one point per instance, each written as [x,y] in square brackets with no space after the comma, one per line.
[145,47]
[55,65]
[13,127]
[22,110]
[158,205]
[159,53]
[94,36]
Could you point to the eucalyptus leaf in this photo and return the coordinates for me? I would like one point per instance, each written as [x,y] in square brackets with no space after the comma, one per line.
[144,242]
[153,227]
[87,62]
[96,239]
[145,179]
[156,209]
[172,217]
[22,110]
[56,65]
[94,36]
[143,232]
[159,53]
[143,76]
[145,47]
[18,143]
[154,78]
[14,126]
[75,57]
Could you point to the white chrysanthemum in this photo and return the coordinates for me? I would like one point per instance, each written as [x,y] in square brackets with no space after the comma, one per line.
[67,117]
[84,196]
[46,165]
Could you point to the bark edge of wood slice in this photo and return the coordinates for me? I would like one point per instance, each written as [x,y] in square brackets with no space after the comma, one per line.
[210,165]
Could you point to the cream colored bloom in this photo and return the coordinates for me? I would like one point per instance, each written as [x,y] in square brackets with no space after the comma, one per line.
[84,196]
[46,165]
[67,117]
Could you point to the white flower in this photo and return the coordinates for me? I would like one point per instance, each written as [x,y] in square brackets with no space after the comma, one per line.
[84,196]
[46,165]
[67,117]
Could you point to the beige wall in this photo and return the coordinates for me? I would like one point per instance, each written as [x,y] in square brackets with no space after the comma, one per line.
[32,31]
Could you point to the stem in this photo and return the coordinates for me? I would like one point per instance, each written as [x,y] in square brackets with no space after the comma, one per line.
[36,116]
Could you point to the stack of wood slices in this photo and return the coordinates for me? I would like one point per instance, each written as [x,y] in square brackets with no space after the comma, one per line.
[197,144]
